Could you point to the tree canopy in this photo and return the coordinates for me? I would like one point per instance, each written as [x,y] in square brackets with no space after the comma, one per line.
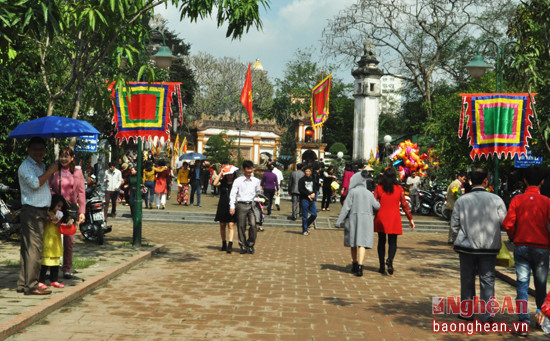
[56,55]
[530,28]
[221,81]
[419,40]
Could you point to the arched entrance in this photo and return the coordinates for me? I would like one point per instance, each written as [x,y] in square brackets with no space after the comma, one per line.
[309,157]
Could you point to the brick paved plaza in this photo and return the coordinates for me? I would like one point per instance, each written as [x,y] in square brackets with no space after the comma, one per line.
[293,288]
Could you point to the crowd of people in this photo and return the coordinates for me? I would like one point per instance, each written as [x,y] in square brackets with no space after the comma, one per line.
[477,219]
[368,206]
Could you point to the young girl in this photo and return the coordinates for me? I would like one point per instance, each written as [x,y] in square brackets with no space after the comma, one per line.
[52,249]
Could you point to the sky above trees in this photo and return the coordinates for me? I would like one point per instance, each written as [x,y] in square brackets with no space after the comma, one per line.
[288,25]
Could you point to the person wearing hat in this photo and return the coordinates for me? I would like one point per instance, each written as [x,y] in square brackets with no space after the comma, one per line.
[357,218]
[225,182]
[370,178]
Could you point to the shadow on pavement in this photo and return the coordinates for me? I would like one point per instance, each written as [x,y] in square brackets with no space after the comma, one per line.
[335,267]
[295,232]
[338,301]
[181,258]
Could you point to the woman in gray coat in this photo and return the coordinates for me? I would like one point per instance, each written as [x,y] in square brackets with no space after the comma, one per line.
[358,215]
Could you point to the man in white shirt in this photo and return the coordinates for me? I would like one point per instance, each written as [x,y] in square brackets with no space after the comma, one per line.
[113,180]
[36,200]
[241,202]
[280,178]
[414,184]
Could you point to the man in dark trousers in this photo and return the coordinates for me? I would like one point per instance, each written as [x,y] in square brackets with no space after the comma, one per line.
[308,187]
[294,192]
[241,202]
[475,224]
[527,224]
[195,176]
[36,199]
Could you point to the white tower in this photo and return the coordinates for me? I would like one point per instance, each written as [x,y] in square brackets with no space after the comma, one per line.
[367,108]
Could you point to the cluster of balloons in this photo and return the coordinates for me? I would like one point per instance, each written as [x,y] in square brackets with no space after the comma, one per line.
[406,159]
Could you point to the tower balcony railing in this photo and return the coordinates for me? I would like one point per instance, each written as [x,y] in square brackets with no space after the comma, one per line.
[310,141]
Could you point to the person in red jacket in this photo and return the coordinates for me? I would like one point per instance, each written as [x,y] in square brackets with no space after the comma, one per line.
[527,226]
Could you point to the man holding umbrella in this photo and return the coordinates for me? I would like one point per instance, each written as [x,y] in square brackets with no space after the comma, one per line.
[35,190]
[35,198]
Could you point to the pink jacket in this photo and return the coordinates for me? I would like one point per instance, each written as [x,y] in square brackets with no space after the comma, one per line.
[72,187]
[345,182]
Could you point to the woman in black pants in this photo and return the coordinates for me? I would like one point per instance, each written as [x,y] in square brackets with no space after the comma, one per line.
[388,218]
[328,178]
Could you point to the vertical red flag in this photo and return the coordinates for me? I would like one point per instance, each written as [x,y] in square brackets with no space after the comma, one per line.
[246,94]
[319,102]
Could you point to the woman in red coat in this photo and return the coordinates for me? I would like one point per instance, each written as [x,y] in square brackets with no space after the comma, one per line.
[388,218]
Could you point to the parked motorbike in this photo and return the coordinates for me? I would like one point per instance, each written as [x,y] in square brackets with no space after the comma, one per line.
[94,227]
[9,213]
[408,199]
[429,200]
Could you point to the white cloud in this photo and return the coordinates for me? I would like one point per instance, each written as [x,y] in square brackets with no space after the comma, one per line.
[287,26]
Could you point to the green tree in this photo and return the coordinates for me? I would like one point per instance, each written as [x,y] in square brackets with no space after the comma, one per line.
[221,81]
[25,17]
[91,32]
[452,151]
[339,125]
[418,39]
[531,67]
[217,149]
[61,53]
[288,146]
[294,89]
[338,147]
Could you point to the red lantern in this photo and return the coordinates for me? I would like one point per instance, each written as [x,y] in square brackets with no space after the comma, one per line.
[309,133]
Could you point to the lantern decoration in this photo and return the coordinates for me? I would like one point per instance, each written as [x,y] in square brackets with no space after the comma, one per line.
[406,159]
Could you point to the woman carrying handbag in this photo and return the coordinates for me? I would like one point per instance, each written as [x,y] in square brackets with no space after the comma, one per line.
[69,182]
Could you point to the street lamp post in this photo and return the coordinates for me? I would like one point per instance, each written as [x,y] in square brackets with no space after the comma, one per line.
[164,59]
[387,141]
[477,67]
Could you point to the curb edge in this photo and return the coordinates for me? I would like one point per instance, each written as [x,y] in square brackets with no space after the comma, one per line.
[27,318]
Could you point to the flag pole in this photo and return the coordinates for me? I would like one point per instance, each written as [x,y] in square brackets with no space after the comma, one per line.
[239,143]
[137,217]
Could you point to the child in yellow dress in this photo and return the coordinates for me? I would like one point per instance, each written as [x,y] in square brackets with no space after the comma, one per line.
[53,248]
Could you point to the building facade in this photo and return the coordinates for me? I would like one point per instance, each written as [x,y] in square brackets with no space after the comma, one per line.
[391,91]
[309,147]
[258,143]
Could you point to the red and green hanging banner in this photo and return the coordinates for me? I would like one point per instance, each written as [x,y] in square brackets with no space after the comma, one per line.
[146,112]
[319,102]
[497,123]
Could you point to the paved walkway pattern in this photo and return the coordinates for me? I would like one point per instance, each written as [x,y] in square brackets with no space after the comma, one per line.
[294,288]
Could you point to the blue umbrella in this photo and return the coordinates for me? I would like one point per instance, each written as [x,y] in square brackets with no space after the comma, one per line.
[53,126]
[192,156]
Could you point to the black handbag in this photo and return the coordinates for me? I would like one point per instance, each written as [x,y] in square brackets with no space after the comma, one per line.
[71,209]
